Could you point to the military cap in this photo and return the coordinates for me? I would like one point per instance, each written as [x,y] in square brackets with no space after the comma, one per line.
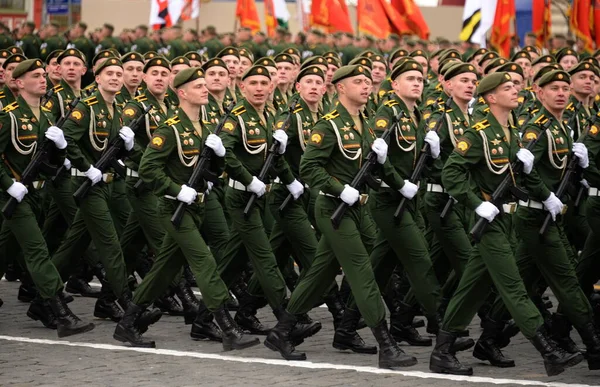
[280,58]
[596,53]
[310,70]
[4,53]
[69,52]
[480,51]
[281,30]
[334,61]
[521,54]
[437,53]
[459,68]
[410,43]
[14,58]
[531,49]
[446,61]
[186,76]
[331,54]
[27,66]
[488,56]
[417,53]
[115,52]
[131,57]
[552,76]
[544,59]
[244,52]
[53,55]
[565,52]
[180,60]
[544,70]
[157,61]
[291,51]
[228,51]
[103,54]
[150,55]
[109,26]
[584,66]
[492,81]
[366,54]
[15,50]
[215,62]
[450,54]
[399,53]
[107,63]
[493,64]
[404,66]
[350,71]
[378,58]
[314,60]
[369,38]
[443,41]
[316,32]
[267,62]
[511,67]
[362,61]
[192,55]
[591,60]
[256,70]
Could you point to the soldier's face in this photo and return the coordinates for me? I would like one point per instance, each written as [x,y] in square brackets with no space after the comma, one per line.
[256,89]
[195,92]
[555,95]
[175,70]
[195,63]
[525,65]
[596,86]
[583,83]
[33,83]
[71,69]
[132,73]
[378,73]
[505,96]
[2,78]
[285,72]
[217,78]
[233,65]
[423,62]
[356,89]
[53,70]
[110,79]
[245,64]
[568,62]
[517,80]
[329,74]
[409,85]
[157,80]
[462,86]
[536,68]
[311,88]
[8,75]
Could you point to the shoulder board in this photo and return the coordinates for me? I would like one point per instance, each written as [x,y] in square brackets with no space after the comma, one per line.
[2,95]
[539,120]
[90,101]
[141,98]
[390,102]
[298,109]
[481,125]
[570,107]
[58,88]
[45,109]
[481,100]
[11,107]
[331,115]
[239,110]
[528,88]
[172,121]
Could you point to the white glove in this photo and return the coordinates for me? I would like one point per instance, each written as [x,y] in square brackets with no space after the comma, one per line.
[380,147]
[93,174]
[128,137]
[585,183]
[433,140]
[296,189]
[55,134]
[281,136]
[581,152]
[257,186]
[527,158]
[67,163]
[209,187]
[17,191]
[487,210]
[553,205]
[214,142]
[187,195]
[349,195]
[409,190]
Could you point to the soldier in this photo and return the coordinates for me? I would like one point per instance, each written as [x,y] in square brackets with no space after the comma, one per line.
[52,41]
[566,58]
[142,42]
[213,45]
[194,58]
[133,70]
[52,68]
[178,64]
[231,57]
[28,42]
[246,61]
[78,40]
[333,64]
[176,45]
[6,39]
[523,59]
[284,82]
[108,41]
[29,125]
[10,91]
[485,154]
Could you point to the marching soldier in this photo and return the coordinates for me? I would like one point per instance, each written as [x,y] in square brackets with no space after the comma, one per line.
[10,91]
[133,70]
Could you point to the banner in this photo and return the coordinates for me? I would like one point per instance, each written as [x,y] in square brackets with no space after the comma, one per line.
[579,21]
[501,29]
[478,18]
[270,20]
[372,19]
[541,21]
[331,16]
[247,14]
[412,16]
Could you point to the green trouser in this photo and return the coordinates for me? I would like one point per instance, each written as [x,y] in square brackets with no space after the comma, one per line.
[214,226]
[492,262]
[179,246]
[344,247]
[577,226]
[588,267]
[25,227]
[119,205]
[547,257]
[403,242]
[93,221]
[248,232]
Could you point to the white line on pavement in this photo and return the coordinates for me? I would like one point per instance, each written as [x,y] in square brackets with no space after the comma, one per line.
[296,364]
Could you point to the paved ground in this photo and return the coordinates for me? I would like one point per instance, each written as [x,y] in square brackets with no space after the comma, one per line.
[31,355]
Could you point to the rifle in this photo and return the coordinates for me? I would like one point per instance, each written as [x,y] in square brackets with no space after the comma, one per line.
[109,157]
[200,168]
[37,162]
[421,162]
[506,184]
[564,183]
[44,100]
[272,153]
[364,174]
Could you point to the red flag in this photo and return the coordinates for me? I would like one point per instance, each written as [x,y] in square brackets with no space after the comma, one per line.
[503,20]
[331,15]
[159,13]
[541,21]
[597,23]
[397,21]
[247,14]
[413,18]
[270,19]
[372,19]
[579,21]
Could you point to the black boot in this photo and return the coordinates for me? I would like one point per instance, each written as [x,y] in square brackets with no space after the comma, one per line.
[279,340]
[346,337]
[233,336]
[402,329]
[443,360]
[203,327]
[127,330]
[238,289]
[67,323]
[106,307]
[39,310]
[434,323]
[149,316]
[336,308]
[510,330]
[77,285]
[487,348]
[168,304]
[189,302]
[559,327]
[556,360]
[246,314]
[1,303]
[189,276]
[418,322]
[27,292]
[592,345]
[390,354]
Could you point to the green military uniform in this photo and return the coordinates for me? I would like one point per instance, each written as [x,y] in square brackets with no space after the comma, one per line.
[6,41]
[144,45]
[30,44]
[55,42]
[213,47]
[177,47]
[6,96]
[86,46]
[111,42]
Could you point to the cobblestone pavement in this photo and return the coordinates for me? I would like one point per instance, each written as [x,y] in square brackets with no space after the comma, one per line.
[31,355]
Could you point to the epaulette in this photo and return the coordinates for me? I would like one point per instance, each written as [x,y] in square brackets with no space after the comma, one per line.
[10,107]
[481,125]
[141,98]
[45,109]
[298,109]
[90,101]
[570,107]
[540,120]
[172,121]
[239,110]
[2,95]
[390,102]
[331,115]
[58,88]
[204,122]
[481,100]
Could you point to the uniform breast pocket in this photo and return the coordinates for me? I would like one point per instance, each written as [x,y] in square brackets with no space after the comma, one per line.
[256,136]
[499,154]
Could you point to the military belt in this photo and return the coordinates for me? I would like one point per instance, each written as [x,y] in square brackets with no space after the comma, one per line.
[278,181]
[538,205]
[132,173]
[38,184]
[593,191]
[509,208]
[364,198]
[385,185]
[199,198]
[435,188]
[106,177]
[240,187]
